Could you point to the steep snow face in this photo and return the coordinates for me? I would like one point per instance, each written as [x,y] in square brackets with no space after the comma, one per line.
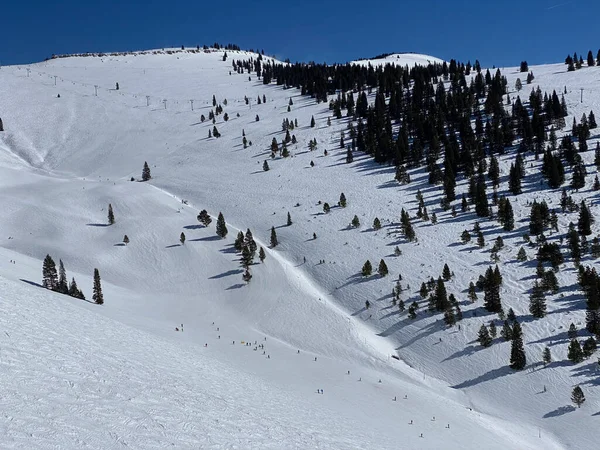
[63,160]
[401,59]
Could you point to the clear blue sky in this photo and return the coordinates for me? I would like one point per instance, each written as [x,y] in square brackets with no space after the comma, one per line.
[497,32]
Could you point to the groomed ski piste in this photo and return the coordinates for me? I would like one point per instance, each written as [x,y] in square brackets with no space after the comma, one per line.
[79,375]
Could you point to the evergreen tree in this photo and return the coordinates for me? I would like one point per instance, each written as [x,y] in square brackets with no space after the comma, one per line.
[265,166]
[247,258]
[471,292]
[49,274]
[585,220]
[382,269]
[577,396]
[182,238]
[146,172]
[238,244]
[517,352]
[589,347]
[575,354]
[572,333]
[274,241]
[326,208]
[289,219]
[446,274]
[97,297]
[261,254]
[484,337]
[247,276]
[376,224]
[62,286]
[312,122]
[1,125]
[355,222]
[547,356]
[493,329]
[506,332]
[465,237]
[342,201]
[74,290]
[537,301]
[204,218]
[111,215]
[522,255]
[221,228]
[367,269]
[125,239]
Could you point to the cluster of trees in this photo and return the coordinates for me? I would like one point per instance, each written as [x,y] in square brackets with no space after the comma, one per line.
[57,281]
[576,61]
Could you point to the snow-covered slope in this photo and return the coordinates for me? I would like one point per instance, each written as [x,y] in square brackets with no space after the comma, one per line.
[400,59]
[63,160]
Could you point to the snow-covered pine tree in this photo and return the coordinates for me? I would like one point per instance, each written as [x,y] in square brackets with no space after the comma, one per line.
[182,238]
[97,296]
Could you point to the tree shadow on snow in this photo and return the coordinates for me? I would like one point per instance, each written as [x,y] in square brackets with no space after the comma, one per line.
[559,411]
[207,239]
[194,227]
[488,376]
[120,244]
[226,274]
[174,245]
[235,286]
[101,225]
[33,283]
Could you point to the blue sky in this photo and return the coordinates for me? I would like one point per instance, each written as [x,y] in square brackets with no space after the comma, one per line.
[500,33]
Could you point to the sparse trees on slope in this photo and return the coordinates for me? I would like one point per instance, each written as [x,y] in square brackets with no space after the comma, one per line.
[97,296]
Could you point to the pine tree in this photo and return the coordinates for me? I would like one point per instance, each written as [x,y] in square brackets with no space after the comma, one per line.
[182,238]
[484,337]
[49,274]
[62,286]
[517,353]
[585,220]
[577,396]
[355,221]
[572,333]
[146,172]
[376,224]
[289,219]
[74,290]
[446,274]
[247,276]
[1,125]
[312,122]
[204,218]
[472,295]
[342,201]
[274,241]
[506,331]
[537,301]
[575,354]
[261,254]
[367,269]
[522,255]
[97,297]
[221,227]
[465,237]
[493,329]
[589,347]
[125,239]
[111,215]
[247,257]
[326,208]
[547,356]
[238,244]
[266,166]
[382,269]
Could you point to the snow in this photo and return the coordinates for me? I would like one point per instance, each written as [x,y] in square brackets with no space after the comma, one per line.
[76,374]
[400,59]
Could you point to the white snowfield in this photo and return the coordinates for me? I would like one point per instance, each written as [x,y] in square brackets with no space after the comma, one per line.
[78,375]
[400,59]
